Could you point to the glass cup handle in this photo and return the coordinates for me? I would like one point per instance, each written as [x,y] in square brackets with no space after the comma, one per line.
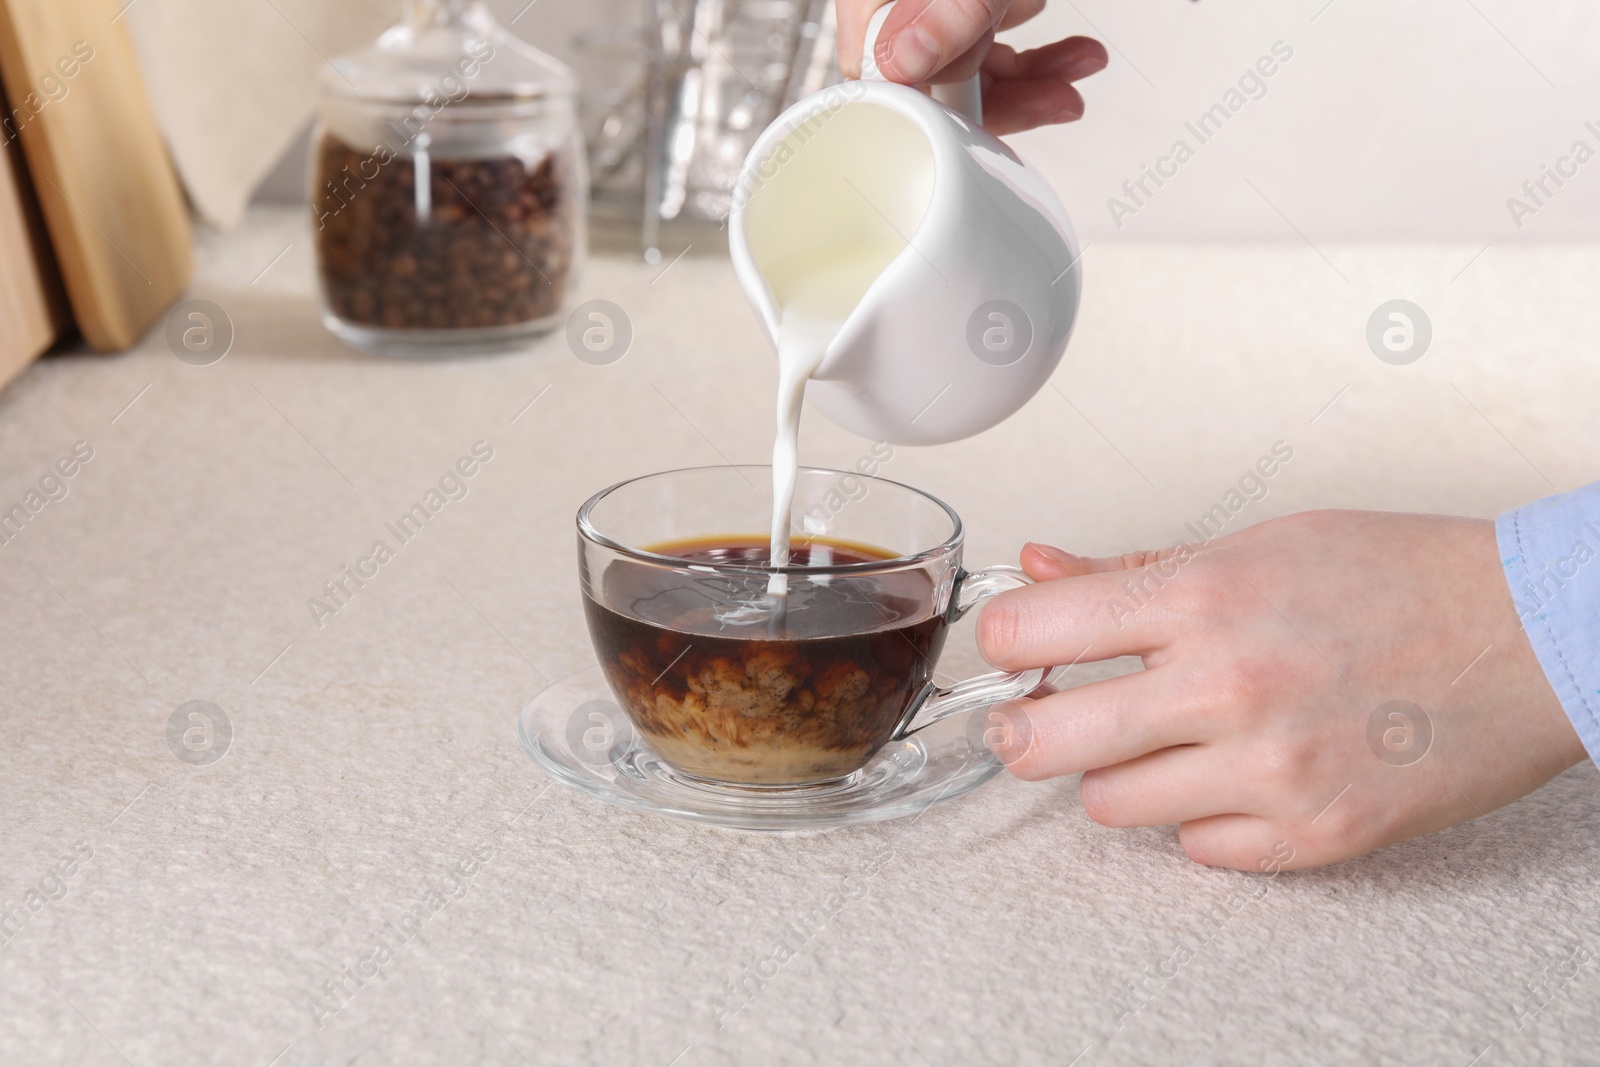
[972,588]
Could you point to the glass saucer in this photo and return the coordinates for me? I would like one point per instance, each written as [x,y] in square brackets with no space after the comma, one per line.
[577,733]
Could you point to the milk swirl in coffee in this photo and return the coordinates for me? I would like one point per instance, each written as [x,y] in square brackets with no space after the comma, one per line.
[722,699]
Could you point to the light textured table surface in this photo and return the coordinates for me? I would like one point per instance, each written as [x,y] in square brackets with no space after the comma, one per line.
[372,756]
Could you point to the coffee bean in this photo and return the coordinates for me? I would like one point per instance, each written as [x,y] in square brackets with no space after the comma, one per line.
[495,249]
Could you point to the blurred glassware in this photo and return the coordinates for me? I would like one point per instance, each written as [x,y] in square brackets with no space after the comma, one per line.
[448,186]
[667,148]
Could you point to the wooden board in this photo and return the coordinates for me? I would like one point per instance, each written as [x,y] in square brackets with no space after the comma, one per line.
[33,308]
[111,202]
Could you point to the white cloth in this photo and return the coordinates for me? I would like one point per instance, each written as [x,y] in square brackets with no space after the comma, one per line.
[234,81]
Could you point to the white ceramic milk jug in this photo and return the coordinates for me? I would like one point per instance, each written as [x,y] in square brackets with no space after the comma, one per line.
[952,274]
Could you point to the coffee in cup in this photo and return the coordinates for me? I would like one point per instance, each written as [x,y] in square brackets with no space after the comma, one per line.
[732,685]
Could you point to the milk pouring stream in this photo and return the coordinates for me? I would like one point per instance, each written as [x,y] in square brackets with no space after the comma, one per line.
[882,238]
[818,295]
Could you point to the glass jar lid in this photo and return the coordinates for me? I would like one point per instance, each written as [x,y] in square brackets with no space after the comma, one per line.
[452,49]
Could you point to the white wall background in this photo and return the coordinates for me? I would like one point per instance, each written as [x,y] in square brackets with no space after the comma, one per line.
[1395,119]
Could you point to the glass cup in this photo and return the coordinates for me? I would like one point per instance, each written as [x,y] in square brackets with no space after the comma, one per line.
[740,674]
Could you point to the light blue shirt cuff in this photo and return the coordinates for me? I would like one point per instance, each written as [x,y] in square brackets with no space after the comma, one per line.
[1551,553]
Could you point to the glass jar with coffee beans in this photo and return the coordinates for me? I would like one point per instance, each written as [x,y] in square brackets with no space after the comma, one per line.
[448,188]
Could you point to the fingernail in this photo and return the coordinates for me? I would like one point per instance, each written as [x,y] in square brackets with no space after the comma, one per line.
[912,54]
[1083,66]
[1051,553]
